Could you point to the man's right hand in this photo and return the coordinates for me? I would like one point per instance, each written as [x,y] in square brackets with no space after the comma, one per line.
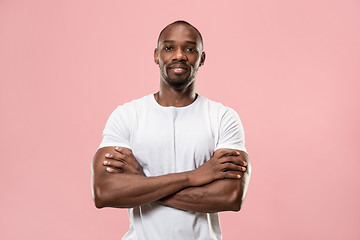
[225,164]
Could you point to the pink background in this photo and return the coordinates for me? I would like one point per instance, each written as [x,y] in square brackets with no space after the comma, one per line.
[291,69]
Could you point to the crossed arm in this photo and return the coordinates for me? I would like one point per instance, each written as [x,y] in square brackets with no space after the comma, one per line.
[218,185]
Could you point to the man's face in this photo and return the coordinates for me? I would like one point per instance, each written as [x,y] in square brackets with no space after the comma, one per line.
[179,55]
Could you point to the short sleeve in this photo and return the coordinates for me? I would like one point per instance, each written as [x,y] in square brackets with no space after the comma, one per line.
[116,132]
[231,132]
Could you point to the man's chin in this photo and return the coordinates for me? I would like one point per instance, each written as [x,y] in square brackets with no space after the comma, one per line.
[178,84]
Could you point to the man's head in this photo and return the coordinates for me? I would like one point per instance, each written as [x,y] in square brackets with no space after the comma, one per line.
[184,23]
[179,54]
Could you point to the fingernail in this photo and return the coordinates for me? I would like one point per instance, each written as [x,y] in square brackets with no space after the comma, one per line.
[117,148]
[245,164]
[108,169]
[107,155]
[243,168]
[105,162]
[238,176]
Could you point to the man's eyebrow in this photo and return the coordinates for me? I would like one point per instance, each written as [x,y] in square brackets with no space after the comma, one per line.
[191,42]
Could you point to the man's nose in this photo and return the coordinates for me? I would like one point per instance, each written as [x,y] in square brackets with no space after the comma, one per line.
[180,54]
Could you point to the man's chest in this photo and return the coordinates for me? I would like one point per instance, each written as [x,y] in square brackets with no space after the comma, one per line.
[173,143]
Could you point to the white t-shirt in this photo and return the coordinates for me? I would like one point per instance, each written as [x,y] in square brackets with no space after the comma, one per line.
[169,140]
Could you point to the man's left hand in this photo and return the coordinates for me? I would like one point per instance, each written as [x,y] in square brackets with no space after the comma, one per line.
[122,160]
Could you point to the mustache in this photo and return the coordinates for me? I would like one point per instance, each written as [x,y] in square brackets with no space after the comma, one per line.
[178,65]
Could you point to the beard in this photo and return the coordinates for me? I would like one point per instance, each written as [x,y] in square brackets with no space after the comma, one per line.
[178,82]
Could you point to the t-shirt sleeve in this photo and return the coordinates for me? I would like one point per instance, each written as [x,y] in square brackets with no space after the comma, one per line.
[116,132]
[231,132]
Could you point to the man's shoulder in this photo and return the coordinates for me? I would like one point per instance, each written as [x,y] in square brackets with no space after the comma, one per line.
[220,111]
[215,105]
[131,109]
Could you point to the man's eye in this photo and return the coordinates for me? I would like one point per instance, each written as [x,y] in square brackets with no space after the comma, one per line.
[191,49]
[168,48]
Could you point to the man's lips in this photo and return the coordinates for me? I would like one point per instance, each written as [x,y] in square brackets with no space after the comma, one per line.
[178,68]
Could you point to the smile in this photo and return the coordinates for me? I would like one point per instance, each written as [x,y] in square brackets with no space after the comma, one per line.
[178,70]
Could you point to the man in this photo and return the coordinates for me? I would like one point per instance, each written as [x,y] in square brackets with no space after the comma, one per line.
[174,158]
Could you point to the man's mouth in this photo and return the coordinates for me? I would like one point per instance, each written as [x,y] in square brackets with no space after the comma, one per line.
[178,69]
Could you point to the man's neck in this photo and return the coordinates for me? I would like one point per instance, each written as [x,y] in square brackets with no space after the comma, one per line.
[168,96]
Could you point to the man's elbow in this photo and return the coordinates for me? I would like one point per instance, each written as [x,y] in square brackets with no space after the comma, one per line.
[238,196]
[236,205]
[104,196]
[98,203]
[236,200]
[100,197]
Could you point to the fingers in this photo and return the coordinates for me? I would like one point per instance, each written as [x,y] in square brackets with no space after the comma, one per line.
[232,167]
[122,160]
[235,160]
[127,156]
[227,152]
[113,170]
[116,156]
[231,175]
[123,150]
[114,164]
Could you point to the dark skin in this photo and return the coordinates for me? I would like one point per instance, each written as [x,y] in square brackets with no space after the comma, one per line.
[218,185]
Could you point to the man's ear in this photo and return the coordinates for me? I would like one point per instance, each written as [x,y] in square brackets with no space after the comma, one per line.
[202,59]
[156,56]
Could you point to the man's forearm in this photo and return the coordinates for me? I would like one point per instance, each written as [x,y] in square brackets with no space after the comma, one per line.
[220,195]
[127,190]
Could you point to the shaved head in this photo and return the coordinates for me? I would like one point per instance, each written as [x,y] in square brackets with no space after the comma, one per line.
[184,23]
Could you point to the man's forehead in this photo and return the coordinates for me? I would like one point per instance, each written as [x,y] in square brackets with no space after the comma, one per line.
[183,32]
